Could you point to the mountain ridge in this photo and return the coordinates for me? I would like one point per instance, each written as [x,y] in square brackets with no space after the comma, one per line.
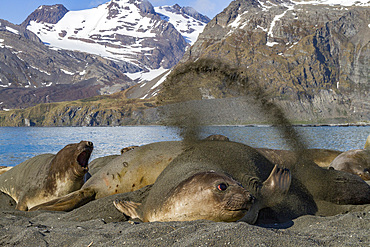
[311,58]
[33,68]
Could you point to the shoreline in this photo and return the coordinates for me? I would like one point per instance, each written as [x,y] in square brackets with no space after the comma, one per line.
[359,124]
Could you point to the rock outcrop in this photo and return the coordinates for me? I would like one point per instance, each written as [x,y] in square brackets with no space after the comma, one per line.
[311,55]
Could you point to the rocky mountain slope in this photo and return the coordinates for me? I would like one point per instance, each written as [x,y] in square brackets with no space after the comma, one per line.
[58,55]
[311,54]
[31,73]
[129,31]
[310,57]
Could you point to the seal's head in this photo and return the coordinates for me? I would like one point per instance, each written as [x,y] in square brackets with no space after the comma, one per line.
[355,161]
[205,195]
[73,157]
[211,196]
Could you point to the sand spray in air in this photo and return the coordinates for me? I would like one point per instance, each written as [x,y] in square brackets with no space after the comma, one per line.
[188,123]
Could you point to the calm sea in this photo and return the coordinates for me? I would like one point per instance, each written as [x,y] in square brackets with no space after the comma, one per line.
[19,144]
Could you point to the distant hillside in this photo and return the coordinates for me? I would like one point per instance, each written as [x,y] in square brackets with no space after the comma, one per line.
[104,110]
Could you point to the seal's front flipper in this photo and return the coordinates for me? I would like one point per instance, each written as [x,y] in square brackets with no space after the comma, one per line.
[275,187]
[67,202]
[128,208]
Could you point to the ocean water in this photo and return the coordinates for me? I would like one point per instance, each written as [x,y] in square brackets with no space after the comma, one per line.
[18,144]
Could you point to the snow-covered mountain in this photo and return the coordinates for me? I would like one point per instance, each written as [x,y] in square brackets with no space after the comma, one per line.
[129,31]
[185,19]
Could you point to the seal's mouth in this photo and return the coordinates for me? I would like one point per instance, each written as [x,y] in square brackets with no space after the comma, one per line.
[239,204]
[83,159]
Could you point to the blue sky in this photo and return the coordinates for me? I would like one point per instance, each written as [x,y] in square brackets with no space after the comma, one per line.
[16,11]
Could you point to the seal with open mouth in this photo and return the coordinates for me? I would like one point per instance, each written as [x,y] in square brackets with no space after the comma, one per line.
[128,172]
[47,176]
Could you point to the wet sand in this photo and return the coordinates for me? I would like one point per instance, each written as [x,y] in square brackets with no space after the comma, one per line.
[98,223]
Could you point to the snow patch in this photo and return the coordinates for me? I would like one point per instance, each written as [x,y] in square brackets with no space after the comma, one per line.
[161,80]
[12,30]
[89,31]
[67,72]
[188,26]
[83,72]
[47,84]
[335,2]
[146,76]
[42,71]
[272,25]
[235,23]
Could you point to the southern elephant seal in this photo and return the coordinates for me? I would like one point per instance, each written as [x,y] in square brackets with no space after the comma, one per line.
[355,161]
[128,172]
[176,195]
[204,195]
[310,184]
[47,176]
[97,164]
[4,169]
[126,149]
[321,157]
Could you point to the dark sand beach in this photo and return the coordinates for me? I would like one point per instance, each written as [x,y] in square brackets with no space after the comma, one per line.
[98,223]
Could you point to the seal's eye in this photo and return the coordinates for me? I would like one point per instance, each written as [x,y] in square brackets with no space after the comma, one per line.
[222,186]
[366,170]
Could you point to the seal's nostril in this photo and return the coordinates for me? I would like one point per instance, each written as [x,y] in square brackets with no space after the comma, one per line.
[251,198]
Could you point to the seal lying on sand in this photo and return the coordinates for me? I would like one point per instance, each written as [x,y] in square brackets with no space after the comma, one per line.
[47,176]
[128,172]
[218,198]
[97,164]
[176,195]
[309,183]
[135,168]
[4,169]
[355,161]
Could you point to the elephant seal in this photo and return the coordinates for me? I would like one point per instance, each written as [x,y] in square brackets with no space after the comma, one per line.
[4,169]
[217,138]
[177,194]
[310,184]
[101,162]
[204,195]
[355,161]
[47,176]
[128,172]
[321,157]
[367,143]
[133,169]
[126,149]
[97,164]
[323,184]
